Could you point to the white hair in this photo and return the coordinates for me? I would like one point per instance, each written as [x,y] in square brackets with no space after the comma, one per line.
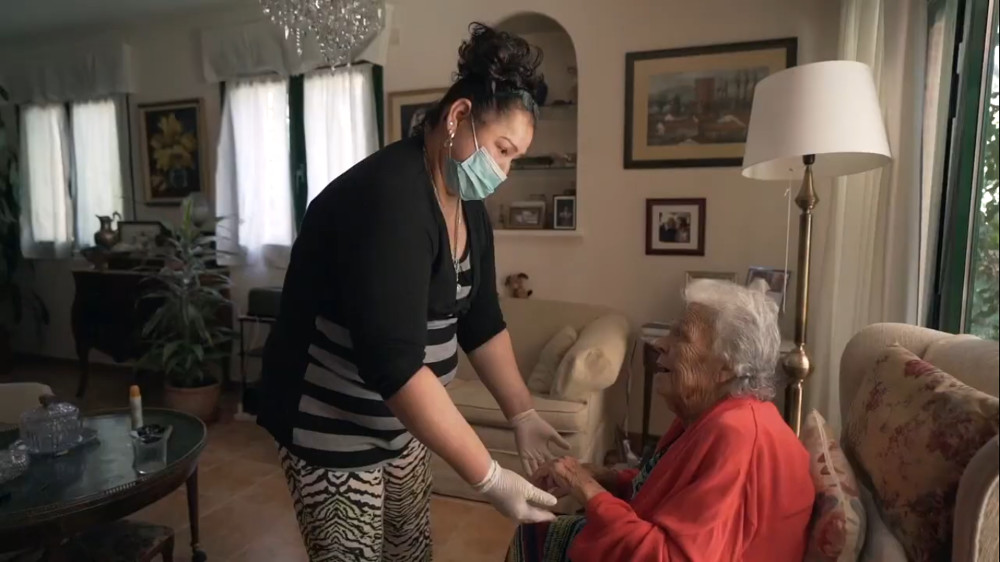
[746,333]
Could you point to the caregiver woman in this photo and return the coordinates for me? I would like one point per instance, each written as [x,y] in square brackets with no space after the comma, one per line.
[392,270]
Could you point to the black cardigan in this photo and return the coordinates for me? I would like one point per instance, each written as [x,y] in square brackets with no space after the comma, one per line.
[373,255]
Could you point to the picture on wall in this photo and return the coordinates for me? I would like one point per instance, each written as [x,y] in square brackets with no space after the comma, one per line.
[564,212]
[777,282]
[675,227]
[690,107]
[172,135]
[407,110]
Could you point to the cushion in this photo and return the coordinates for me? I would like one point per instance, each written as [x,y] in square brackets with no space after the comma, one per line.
[594,361]
[837,526]
[478,407]
[541,377]
[880,544]
[913,429]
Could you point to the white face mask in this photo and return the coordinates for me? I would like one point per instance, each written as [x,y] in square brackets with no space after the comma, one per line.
[476,177]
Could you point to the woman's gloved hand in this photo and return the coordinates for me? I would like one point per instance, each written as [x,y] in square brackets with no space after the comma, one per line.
[533,436]
[514,496]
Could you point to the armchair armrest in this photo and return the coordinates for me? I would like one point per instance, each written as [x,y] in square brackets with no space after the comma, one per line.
[975,535]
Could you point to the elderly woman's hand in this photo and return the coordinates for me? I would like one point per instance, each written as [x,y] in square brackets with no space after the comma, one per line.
[568,474]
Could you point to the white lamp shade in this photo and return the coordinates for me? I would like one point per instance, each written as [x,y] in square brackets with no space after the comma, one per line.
[827,109]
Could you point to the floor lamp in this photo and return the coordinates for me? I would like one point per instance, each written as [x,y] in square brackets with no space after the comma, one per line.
[815,120]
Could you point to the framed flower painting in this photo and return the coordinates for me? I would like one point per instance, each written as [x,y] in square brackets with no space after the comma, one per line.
[172,136]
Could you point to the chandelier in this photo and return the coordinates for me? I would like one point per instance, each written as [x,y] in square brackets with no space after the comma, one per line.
[341,27]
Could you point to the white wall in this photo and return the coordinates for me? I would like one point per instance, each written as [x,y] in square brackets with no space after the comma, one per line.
[746,219]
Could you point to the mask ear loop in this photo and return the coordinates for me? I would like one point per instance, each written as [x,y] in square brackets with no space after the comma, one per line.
[475,138]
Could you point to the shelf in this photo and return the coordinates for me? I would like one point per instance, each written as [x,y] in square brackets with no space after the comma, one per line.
[536,233]
[543,168]
[557,112]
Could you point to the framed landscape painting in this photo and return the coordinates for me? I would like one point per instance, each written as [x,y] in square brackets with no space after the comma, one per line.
[690,107]
[406,111]
[171,137]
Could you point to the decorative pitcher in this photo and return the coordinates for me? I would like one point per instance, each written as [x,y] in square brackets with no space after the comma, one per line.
[107,236]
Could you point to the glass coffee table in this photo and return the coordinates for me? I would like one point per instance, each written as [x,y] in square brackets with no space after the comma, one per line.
[96,483]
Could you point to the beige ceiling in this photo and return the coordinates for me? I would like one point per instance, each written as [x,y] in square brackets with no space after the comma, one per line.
[24,18]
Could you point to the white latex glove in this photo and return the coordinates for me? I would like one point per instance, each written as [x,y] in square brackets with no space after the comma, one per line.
[533,436]
[514,496]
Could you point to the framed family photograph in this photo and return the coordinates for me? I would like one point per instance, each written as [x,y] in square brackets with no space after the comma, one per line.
[140,235]
[172,137]
[526,215]
[675,227]
[777,282]
[564,212]
[690,107]
[406,111]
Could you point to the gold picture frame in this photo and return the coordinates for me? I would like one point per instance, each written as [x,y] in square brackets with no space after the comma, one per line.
[405,109]
[172,137]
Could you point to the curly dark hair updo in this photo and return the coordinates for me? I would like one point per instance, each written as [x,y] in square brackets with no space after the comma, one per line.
[497,72]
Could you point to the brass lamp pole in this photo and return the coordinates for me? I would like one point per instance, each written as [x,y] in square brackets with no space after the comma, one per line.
[821,119]
[796,362]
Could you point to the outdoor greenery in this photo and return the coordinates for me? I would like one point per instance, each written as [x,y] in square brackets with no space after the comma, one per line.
[14,300]
[187,334]
[984,296]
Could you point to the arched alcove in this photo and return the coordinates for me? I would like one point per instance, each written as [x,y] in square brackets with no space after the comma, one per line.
[547,174]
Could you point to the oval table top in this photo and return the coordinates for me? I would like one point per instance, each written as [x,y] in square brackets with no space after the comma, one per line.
[98,474]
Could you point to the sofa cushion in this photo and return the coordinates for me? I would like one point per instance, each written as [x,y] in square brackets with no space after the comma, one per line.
[594,361]
[837,526]
[913,429]
[541,377]
[478,407]
[880,544]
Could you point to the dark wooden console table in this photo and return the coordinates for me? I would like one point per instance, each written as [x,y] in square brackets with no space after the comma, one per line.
[108,315]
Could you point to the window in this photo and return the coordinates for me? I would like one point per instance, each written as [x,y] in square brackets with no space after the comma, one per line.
[983,292]
[253,177]
[97,169]
[969,269]
[83,146]
[46,211]
[340,124]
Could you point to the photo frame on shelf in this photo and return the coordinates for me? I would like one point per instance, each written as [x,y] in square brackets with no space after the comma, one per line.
[777,280]
[526,215]
[172,138]
[406,110]
[564,212]
[140,234]
[729,276]
[690,107]
[675,227]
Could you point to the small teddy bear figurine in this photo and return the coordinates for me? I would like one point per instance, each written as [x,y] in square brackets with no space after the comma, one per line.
[517,284]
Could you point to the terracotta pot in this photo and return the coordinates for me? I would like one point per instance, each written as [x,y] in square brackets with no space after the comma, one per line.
[202,401]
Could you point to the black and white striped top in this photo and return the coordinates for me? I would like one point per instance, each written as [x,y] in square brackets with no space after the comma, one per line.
[341,415]
[369,298]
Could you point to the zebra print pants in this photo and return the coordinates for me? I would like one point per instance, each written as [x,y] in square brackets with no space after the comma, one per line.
[381,514]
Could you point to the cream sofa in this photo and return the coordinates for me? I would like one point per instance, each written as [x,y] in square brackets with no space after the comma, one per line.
[973,361]
[587,426]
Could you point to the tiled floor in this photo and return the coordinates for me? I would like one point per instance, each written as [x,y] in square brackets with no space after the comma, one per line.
[246,511]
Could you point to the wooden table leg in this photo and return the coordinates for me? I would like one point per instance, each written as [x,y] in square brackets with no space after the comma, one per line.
[197,555]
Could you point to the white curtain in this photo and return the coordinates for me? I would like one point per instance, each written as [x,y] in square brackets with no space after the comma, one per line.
[340,123]
[868,268]
[252,177]
[46,207]
[97,165]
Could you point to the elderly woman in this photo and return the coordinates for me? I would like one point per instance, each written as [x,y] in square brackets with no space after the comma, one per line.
[728,481]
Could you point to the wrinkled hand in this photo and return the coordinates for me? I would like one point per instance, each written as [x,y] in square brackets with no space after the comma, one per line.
[545,479]
[568,474]
[514,496]
[533,436]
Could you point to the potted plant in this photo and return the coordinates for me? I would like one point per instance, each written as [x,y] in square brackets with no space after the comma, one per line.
[189,333]
[14,300]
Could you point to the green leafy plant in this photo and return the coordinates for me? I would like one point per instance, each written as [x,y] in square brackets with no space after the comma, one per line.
[984,292]
[14,299]
[187,335]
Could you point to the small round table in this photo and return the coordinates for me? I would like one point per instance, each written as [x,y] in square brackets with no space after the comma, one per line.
[96,483]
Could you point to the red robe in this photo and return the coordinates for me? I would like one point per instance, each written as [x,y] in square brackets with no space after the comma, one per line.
[735,485]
